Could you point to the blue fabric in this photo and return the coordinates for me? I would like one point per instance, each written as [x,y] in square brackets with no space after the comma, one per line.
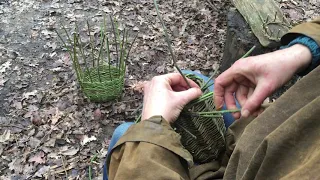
[120,130]
[117,134]
[313,47]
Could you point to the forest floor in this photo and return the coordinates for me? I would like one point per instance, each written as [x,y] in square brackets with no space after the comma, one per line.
[48,128]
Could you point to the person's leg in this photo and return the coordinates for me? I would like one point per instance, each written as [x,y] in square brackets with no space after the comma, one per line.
[117,134]
[228,118]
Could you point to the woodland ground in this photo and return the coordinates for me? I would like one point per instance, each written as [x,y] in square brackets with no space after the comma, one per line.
[47,127]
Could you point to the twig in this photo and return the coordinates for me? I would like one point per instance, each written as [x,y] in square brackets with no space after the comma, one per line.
[64,167]
[5,125]
[169,43]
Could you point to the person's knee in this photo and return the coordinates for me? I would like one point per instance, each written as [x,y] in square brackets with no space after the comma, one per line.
[121,129]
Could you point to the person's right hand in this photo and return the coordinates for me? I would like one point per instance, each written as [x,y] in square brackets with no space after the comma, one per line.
[251,80]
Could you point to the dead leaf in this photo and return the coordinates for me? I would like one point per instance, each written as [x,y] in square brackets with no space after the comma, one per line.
[34,142]
[16,165]
[86,139]
[70,152]
[5,66]
[5,136]
[138,86]
[160,69]
[43,170]
[97,114]
[35,118]
[28,94]
[38,158]
[55,118]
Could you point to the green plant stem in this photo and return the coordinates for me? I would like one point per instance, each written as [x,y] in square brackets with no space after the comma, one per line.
[248,53]
[90,168]
[129,50]
[76,61]
[78,69]
[70,52]
[204,86]
[169,43]
[109,57]
[217,112]
[79,41]
[100,51]
[138,119]
[91,43]
[122,51]
[115,37]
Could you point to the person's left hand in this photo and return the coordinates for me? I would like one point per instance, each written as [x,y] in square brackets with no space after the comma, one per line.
[166,95]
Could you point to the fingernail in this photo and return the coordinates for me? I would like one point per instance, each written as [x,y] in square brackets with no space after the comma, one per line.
[245,113]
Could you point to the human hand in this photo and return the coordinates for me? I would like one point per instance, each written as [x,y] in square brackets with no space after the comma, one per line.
[166,95]
[251,80]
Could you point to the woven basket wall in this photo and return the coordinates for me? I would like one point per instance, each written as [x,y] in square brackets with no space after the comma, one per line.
[109,88]
[203,137]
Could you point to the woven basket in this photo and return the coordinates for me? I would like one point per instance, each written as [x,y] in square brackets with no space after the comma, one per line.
[203,137]
[108,87]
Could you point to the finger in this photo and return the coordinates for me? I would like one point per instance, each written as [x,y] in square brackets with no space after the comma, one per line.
[184,97]
[241,94]
[221,82]
[177,79]
[178,88]
[230,99]
[261,92]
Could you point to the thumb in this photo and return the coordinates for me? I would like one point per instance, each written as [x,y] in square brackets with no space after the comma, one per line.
[261,92]
[189,95]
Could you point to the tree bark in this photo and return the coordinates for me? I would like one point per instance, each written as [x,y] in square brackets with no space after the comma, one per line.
[239,40]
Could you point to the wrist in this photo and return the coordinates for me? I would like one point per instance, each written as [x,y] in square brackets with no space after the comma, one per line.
[300,57]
